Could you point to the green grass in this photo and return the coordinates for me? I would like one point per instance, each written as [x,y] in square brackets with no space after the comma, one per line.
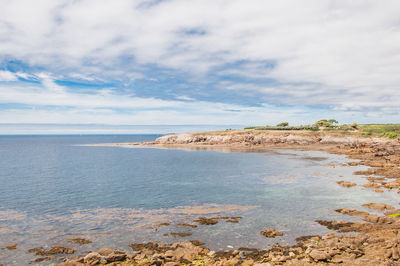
[284,128]
[387,130]
[391,131]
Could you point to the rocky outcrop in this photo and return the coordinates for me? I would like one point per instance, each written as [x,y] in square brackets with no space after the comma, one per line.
[265,137]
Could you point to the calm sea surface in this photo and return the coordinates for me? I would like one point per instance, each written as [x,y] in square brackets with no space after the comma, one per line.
[53,188]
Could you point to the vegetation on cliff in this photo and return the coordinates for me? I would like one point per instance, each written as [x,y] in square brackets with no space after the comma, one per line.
[391,131]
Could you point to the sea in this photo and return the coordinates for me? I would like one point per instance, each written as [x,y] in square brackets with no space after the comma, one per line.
[57,187]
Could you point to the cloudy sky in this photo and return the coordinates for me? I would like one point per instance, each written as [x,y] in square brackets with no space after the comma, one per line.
[145,62]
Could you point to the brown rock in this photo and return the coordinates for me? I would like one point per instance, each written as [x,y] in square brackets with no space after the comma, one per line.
[187,225]
[395,253]
[378,206]
[197,242]
[115,257]
[105,251]
[80,241]
[270,232]
[346,183]
[178,234]
[52,251]
[43,259]
[319,255]
[92,258]
[206,221]
[10,247]
[353,212]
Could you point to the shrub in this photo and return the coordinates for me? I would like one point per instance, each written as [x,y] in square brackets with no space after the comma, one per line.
[390,135]
[323,123]
[354,125]
[283,124]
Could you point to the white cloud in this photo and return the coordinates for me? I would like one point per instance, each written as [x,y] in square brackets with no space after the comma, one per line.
[7,76]
[341,54]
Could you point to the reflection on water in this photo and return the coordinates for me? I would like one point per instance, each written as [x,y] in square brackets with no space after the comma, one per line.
[54,188]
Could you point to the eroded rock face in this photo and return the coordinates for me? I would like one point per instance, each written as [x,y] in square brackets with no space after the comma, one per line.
[271,232]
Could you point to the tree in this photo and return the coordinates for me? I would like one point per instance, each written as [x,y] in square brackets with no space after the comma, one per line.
[323,123]
[333,121]
[283,124]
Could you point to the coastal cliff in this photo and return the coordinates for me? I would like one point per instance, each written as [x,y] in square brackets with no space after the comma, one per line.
[270,138]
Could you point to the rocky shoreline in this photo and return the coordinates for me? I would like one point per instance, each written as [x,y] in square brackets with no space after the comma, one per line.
[375,241]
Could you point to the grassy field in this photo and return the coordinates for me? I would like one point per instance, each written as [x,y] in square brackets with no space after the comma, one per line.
[387,130]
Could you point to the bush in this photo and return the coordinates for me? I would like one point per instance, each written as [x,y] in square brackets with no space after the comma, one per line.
[354,125]
[283,124]
[390,135]
[323,123]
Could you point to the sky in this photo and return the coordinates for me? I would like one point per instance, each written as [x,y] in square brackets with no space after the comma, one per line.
[214,62]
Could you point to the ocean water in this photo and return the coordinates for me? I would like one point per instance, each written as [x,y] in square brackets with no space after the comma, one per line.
[53,188]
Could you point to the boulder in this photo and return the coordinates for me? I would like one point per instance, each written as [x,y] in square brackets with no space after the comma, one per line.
[92,258]
[271,232]
[319,255]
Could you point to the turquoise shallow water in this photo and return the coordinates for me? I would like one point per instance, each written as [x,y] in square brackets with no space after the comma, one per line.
[55,187]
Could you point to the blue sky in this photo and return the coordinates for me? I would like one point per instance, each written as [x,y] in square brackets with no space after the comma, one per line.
[133,62]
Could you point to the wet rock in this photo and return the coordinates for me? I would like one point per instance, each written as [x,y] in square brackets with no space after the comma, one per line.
[372,184]
[206,221]
[270,232]
[178,234]
[162,224]
[11,247]
[41,259]
[346,183]
[105,251]
[304,238]
[187,225]
[149,246]
[353,212]
[115,256]
[343,226]
[40,251]
[80,241]
[378,206]
[197,242]
[92,258]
